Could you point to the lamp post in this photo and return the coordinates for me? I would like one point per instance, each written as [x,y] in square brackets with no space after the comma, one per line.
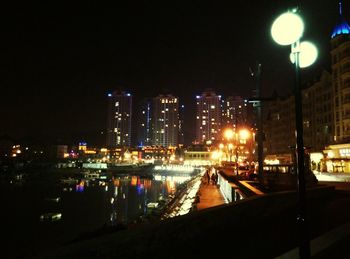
[241,139]
[258,104]
[288,29]
[228,134]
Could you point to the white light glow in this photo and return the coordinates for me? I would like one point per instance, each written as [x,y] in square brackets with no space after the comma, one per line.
[307,56]
[287,28]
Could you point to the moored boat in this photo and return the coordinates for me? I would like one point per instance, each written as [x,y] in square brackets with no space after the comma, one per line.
[51,216]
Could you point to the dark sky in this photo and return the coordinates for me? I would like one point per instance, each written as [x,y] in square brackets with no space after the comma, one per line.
[59,61]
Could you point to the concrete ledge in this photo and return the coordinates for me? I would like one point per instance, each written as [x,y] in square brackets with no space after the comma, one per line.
[251,188]
[323,246]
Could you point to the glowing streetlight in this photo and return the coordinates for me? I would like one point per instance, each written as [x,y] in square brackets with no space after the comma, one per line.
[288,29]
[308,54]
[228,133]
[244,134]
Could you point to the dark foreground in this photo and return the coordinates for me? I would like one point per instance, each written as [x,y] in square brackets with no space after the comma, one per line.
[258,227]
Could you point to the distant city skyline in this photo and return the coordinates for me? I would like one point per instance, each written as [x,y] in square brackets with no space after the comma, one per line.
[58,63]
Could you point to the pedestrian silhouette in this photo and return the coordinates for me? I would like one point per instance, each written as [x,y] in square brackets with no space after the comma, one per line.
[208,176]
[213,179]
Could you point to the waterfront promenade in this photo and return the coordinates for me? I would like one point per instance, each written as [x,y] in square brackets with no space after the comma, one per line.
[263,226]
[209,195]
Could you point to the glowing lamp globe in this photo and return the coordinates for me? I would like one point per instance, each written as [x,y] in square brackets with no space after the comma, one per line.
[307,56]
[287,28]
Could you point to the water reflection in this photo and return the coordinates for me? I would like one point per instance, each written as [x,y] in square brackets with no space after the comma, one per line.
[86,205]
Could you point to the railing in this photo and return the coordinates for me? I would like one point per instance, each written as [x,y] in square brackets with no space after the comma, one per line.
[230,191]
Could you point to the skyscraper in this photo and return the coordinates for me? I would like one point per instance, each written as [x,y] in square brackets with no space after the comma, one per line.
[119,119]
[340,53]
[165,120]
[181,138]
[144,123]
[237,112]
[208,116]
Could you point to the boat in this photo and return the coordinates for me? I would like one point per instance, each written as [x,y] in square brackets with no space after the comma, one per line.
[91,175]
[152,205]
[69,180]
[51,216]
[56,199]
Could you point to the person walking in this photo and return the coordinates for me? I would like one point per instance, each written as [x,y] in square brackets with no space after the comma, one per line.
[208,175]
[213,179]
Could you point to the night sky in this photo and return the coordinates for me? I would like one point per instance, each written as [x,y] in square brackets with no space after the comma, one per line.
[58,62]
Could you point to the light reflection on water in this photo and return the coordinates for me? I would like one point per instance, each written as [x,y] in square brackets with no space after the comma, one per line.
[85,206]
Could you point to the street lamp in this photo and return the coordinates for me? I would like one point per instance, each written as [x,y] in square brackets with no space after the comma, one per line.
[288,29]
[228,134]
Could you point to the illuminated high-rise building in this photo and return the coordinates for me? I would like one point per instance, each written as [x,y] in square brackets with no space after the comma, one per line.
[119,119]
[144,123]
[208,117]
[181,138]
[340,54]
[237,112]
[165,120]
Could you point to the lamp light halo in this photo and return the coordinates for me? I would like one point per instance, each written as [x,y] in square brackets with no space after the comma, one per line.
[287,28]
[307,55]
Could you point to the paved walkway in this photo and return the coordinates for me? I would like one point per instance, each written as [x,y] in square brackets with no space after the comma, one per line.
[209,195]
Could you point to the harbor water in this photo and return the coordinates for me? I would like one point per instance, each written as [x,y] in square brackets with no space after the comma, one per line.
[85,208]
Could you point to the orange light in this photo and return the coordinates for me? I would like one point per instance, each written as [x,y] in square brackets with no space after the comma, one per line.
[228,133]
[244,134]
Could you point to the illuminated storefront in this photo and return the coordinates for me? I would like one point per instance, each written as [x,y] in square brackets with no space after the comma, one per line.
[336,158]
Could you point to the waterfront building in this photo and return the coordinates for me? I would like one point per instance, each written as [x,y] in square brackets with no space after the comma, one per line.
[279,119]
[197,155]
[144,123]
[208,117]
[326,105]
[237,112]
[279,126]
[181,137]
[119,119]
[318,113]
[340,58]
[165,120]
[156,154]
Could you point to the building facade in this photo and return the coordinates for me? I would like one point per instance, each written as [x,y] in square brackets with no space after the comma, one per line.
[326,104]
[119,119]
[237,112]
[340,58]
[279,125]
[208,117]
[318,113]
[181,137]
[165,120]
[144,123]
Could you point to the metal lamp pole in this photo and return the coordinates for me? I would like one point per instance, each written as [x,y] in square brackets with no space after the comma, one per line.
[288,29]
[304,246]
[258,103]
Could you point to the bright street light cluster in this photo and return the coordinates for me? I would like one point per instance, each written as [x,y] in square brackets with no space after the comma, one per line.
[287,29]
